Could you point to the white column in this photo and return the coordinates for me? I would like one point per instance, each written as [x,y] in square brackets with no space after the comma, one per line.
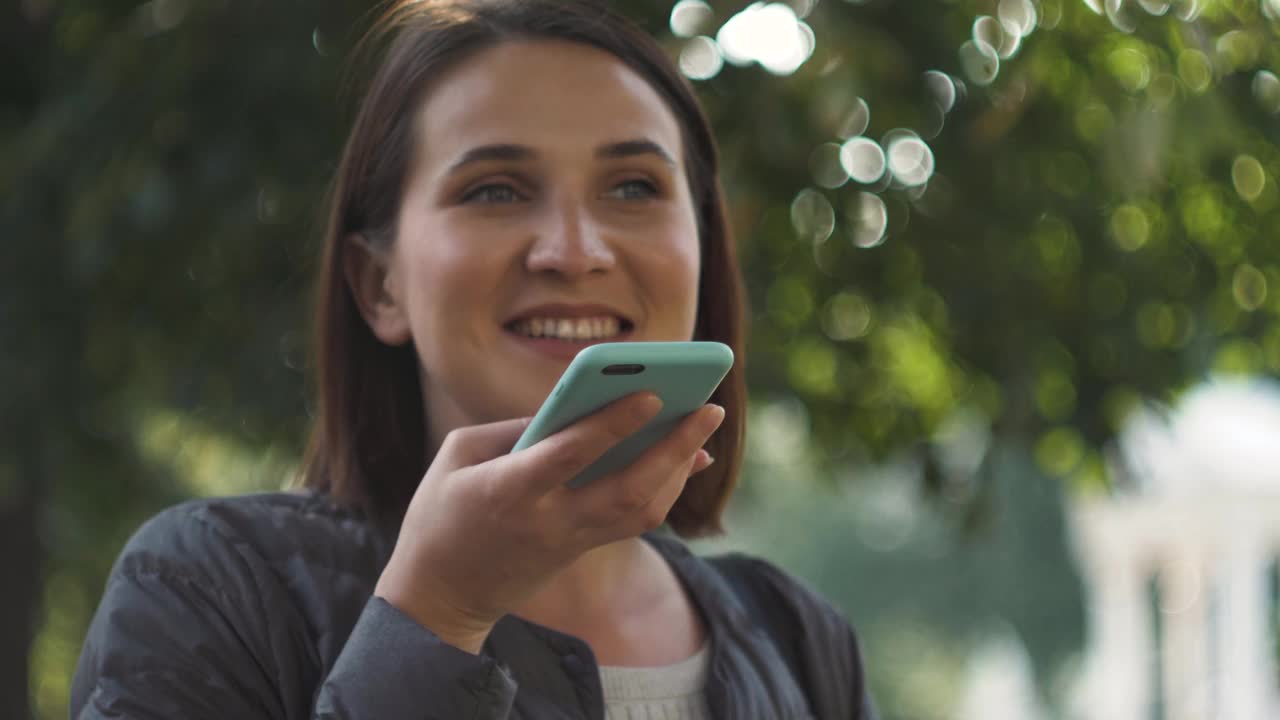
[1120,647]
[1186,632]
[1246,659]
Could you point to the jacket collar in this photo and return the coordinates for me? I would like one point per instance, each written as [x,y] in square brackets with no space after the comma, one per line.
[747,678]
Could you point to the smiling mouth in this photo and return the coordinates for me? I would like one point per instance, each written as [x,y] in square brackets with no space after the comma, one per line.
[575,329]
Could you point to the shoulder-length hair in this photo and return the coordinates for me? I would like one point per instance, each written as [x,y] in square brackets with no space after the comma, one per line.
[368,445]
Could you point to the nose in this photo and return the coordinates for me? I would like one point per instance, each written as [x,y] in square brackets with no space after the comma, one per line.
[569,242]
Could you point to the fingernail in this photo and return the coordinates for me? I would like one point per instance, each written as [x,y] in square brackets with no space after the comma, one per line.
[702,462]
[717,416]
[651,405]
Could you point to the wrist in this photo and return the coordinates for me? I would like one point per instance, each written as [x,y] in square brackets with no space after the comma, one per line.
[451,626]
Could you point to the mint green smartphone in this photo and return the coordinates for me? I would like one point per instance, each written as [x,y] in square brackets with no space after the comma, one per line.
[683,374]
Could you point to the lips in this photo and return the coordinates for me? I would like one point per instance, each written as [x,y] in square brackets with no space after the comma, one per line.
[570,322]
[560,331]
[563,328]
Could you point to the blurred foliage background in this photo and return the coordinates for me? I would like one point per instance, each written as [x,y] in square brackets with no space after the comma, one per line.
[975,234]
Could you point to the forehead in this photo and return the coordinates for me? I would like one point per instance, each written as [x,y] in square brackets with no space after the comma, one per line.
[556,97]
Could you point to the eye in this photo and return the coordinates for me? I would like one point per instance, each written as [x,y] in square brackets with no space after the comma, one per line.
[634,190]
[492,193]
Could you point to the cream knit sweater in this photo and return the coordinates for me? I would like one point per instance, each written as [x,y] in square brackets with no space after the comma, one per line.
[670,692]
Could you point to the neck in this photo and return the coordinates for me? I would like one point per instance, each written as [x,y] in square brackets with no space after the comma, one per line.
[440,413]
[602,582]
[626,603]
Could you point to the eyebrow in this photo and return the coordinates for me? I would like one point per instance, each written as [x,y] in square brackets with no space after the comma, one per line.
[511,152]
[632,148]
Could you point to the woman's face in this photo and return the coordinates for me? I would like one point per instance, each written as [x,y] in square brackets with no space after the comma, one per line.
[546,210]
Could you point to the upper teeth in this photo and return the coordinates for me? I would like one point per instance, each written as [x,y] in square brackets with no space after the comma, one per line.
[592,328]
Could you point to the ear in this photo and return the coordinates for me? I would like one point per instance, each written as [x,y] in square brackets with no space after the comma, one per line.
[376,292]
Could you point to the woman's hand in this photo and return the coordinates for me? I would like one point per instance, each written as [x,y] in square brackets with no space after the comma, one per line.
[486,529]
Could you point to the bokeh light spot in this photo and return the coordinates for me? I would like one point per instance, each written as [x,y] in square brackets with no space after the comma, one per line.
[1249,287]
[1203,214]
[916,364]
[1195,70]
[790,301]
[909,159]
[1050,13]
[1266,90]
[160,16]
[868,218]
[1238,357]
[847,316]
[320,41]
[770,35]
[856,120]
[1248,177]
[700,59]
[1059,451]
[1237,50]
[980,62]
[802,8]
[1163,89]
[1055,395]
[1017,16]
[827,166]
[1130,68]
[942,89]
[1188,10]
[811,367]
[988,31]
[863,160]
[812,216]
[1059,249]
[1093,120]
[1162,325]
[689,17]
[1130,227]
[1120,16]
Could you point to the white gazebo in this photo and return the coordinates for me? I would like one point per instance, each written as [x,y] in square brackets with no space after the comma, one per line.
[1180,563]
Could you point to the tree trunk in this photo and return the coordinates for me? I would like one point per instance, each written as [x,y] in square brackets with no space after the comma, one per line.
[21,555]
[24,32]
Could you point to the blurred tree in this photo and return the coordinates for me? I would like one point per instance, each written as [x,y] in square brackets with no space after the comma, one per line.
[925,593]
[1059,206]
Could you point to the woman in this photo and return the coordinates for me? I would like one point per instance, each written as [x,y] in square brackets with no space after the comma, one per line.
[523,179]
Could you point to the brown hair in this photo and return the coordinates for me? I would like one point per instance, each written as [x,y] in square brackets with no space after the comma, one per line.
[368,443]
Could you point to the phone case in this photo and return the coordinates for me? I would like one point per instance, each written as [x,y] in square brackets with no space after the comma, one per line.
[683,374]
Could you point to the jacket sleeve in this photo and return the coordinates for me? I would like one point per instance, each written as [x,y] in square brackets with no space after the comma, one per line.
[392,667]
[814,635]
[194,624]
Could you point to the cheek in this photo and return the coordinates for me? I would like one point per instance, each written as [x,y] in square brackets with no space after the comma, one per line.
[674,275]
[690,267]
[447,284]
[686,261]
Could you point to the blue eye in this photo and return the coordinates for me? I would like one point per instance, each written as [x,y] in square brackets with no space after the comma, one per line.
[494,193]
[634,190]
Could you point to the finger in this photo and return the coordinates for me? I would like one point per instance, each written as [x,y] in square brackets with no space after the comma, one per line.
[557,459]
[612,498]
[655,513]
[701,461]
[475,444]
[650,517]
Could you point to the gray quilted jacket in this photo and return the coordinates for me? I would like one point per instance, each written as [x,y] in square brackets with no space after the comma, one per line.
[260,607]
